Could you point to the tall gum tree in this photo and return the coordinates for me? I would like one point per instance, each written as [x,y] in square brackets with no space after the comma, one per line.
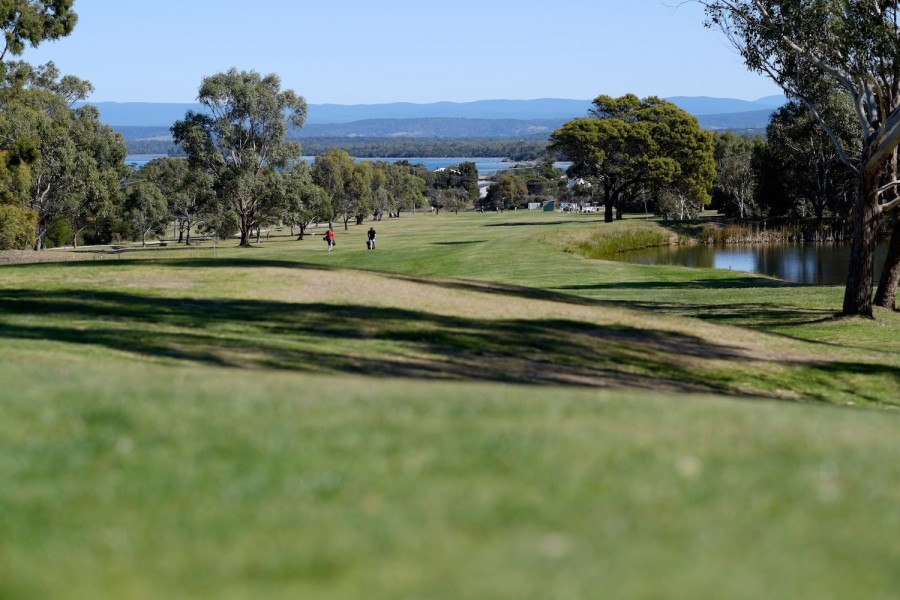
[23,23]
[852,45]
[79,160]
[240,138]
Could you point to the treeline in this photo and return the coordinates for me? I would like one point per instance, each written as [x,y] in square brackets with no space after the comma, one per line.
[528,148]
[513,149]
[794,172]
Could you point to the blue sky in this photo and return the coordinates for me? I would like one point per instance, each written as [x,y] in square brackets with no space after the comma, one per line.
[364,52]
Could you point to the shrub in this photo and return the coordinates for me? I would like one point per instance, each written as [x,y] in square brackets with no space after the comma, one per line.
[18,227]
[59,233]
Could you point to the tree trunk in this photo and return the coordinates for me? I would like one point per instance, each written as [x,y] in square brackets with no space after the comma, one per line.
[858,291]
[246,227]
[608,208]
[39,240]
[890,273]
[75,237]
[302,231]
[187,241]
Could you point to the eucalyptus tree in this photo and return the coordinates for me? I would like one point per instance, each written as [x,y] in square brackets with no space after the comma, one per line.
[383,200]
[854,46]
[406,186]
[457,200]
[361,192]
[735,178]
[304,201]
[628,145]
[240,139]
[805,162]
[506,193]
[188,191]
[334,172]
[146,209]
[23,23]
[30,22]
[79,161]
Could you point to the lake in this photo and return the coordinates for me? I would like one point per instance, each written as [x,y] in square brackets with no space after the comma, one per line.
[486,165]
[817,264]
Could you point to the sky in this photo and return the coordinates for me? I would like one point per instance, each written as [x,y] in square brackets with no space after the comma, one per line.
[369,52]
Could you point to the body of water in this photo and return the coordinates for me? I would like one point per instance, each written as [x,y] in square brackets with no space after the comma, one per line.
[486,165]
[817,264]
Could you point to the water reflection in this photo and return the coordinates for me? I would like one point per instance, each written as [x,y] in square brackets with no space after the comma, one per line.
[819,264]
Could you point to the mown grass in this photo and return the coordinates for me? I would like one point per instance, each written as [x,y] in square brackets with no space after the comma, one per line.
[465,412]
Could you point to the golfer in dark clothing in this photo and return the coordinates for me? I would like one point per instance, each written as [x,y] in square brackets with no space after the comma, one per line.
[371,242]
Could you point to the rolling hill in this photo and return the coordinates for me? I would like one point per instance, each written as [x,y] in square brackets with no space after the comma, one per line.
[485,118]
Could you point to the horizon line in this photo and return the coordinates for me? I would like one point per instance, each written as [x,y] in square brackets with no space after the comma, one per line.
[434,101]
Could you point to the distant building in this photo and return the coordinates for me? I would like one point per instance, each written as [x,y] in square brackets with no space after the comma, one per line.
[443,169]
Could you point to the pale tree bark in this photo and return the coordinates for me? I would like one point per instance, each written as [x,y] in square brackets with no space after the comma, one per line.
[780,49]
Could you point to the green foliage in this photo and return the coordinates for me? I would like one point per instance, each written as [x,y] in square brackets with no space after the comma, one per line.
[17,227]
[333,172]
[541,179]
[59,233]
[629,145]
[451,200]
[15,172]
[470,147]
[304,201]
[735,186]
[30,22]
[188,191]
[506,193]
[809,49]
[79,161]
[800,169]
[241,141]
[146,209]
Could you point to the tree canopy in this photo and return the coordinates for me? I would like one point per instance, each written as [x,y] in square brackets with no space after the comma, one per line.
[242,138]
[30,22]
[629,145]
[805,45]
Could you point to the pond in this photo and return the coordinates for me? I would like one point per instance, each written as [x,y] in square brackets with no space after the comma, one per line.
[810,263]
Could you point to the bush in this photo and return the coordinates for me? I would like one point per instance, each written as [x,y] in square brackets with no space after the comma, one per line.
[18,227]
[59,233]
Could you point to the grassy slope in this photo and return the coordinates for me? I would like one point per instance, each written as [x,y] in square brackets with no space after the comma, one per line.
[269,423]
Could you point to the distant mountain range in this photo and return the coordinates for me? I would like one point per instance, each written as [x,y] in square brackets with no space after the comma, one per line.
[484,118]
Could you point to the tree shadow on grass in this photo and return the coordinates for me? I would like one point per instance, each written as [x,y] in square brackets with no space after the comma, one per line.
[205,262]
[325,338]
[694,284]
[757,315]
[391,342]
